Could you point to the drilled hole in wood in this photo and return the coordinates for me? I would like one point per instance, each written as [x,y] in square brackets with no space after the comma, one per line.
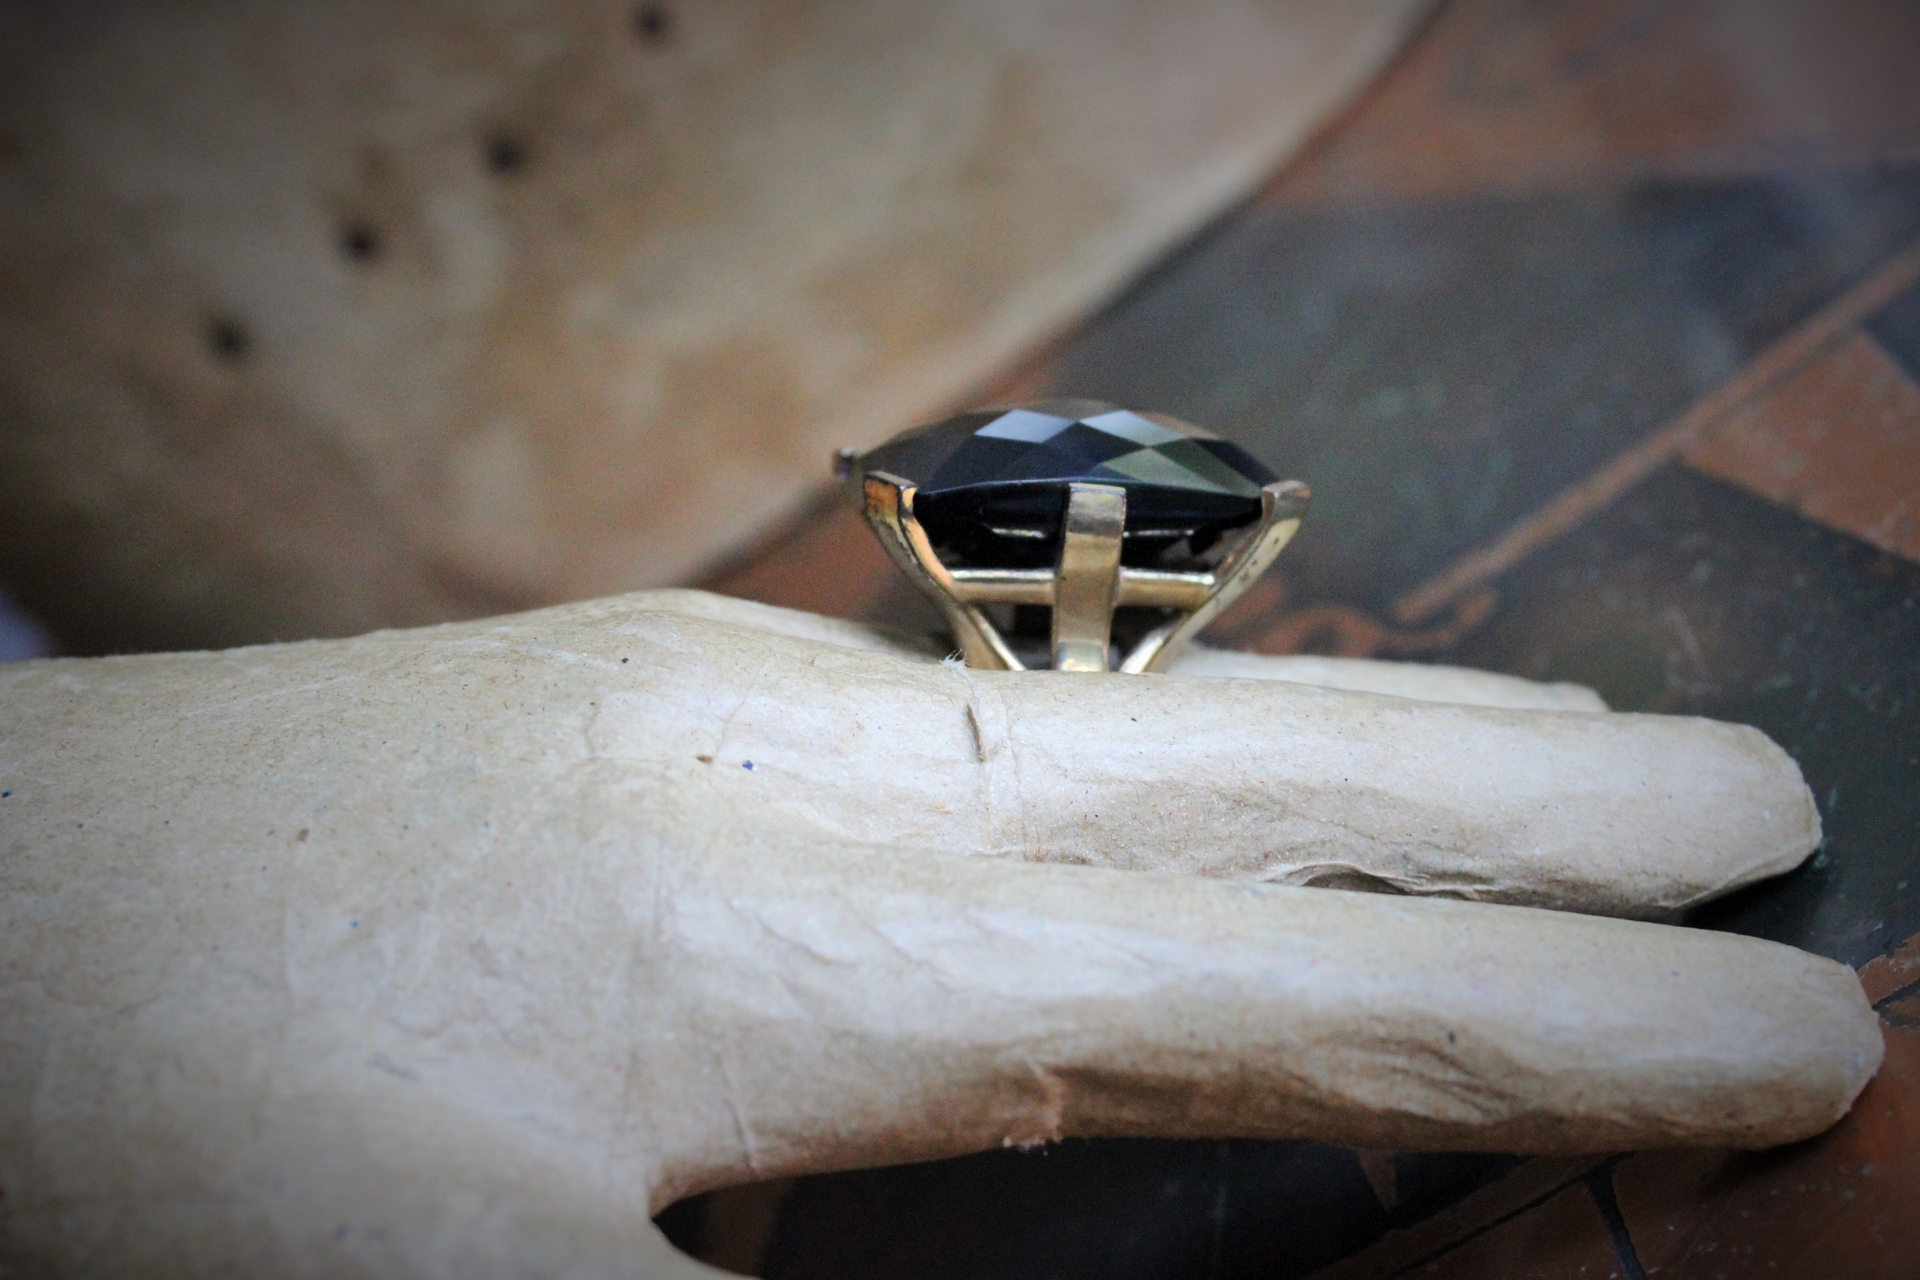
[652,23]
[228,339]
[506,153]
[360,241]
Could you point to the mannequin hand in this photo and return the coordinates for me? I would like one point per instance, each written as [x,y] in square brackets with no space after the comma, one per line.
[460,951]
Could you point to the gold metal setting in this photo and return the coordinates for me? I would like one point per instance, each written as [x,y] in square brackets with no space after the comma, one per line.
[1088,581]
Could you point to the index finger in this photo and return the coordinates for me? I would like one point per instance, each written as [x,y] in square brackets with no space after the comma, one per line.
[1257,779]
[1426,682]
[1634,815]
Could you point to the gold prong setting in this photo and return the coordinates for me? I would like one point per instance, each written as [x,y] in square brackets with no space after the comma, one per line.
[1114,481]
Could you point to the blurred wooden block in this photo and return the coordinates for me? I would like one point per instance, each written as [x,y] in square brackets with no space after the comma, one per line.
[318,319]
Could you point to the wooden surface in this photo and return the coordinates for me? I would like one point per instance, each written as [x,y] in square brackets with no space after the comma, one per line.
[1595,328]
[322,318]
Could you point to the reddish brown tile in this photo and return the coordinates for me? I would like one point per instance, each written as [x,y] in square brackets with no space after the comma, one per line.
[1838,441]
[1884,975]
[1840,1205]
[1903,1013]
[1531,1185]
[1510,95]
[1563,1239]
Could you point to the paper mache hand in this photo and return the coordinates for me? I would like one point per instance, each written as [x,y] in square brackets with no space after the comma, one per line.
[461,951]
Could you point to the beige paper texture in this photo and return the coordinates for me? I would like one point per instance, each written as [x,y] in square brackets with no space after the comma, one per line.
[316,318]
[458,951]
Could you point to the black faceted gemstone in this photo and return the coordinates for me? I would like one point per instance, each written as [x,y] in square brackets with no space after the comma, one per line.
[992,484]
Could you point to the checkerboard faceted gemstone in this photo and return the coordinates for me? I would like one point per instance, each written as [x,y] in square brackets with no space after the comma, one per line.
[1008,469]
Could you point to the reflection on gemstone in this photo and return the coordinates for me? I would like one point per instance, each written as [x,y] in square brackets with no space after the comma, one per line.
[994,475]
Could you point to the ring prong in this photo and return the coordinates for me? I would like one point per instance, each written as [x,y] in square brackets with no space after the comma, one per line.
[1086,581]
[887,502]
[1282,506]
[987,471]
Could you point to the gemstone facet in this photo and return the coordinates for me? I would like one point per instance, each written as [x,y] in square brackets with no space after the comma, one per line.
[992,484]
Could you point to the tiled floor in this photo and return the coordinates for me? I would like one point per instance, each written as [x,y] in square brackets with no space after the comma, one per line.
[1596,329]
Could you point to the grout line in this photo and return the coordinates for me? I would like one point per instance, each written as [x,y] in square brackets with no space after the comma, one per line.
[1600,1187]
[1502,1220]
[1897,994]
[1574,504]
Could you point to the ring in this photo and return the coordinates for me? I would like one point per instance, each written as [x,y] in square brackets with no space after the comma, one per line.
[1132,530]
